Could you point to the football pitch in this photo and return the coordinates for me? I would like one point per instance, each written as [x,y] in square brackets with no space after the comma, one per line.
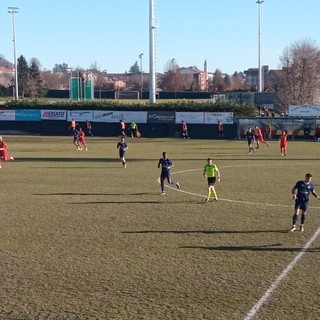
[82,237]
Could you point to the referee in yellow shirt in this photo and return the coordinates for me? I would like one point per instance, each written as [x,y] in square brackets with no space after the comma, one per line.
[210,171]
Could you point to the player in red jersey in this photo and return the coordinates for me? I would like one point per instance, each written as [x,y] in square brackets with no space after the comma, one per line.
[185,130]
[82,139]
[259,137]
[283,143]
[3,151]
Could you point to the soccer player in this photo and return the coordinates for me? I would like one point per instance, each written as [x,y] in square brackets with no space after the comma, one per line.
[122,146]
[133,129]
[250,139]
[3,151]
[185,130]
[75,134]
[73,125]
[166,164]
[220,129]
[89,128]
[283,143]
[82,139]
[209,171]
[122,128]
[300,193]
[259,137]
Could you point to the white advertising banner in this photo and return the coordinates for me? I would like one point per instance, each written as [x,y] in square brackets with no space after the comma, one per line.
[116,116]
[81,116]
[7,115]
[214,117]
[53,115]
[304,111]
[190,117]
[136,116]
[107,116]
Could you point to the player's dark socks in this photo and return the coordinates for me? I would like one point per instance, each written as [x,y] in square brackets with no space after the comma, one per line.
[294,219]
[303,219]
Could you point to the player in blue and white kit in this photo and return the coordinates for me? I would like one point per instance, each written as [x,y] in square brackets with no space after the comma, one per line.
[166,165]
[300,193]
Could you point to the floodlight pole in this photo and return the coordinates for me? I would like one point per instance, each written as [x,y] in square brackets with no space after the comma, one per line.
[140,56]
[13,11]
[259,2]
[152,72]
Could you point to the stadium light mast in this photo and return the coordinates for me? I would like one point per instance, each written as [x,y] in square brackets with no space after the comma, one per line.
[259,2]
[152,69]
[13,11]
[140,57]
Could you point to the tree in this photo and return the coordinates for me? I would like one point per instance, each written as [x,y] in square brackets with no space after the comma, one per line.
[94,66]
[299,81]
[4,62]
[60,67]
[172,80]
[227,82]
[134,69]
[218,84]
[35,82]
[238,81]
[37,62]
[23,75]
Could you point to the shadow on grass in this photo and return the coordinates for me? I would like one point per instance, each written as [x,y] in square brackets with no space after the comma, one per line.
[253,248]
[244,157]
[115,202]
[208,231]
[91,194]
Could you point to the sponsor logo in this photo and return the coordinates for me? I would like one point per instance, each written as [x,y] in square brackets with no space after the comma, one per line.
[6,113]
[102,115]
[54,114]
[159,117]
[79,114]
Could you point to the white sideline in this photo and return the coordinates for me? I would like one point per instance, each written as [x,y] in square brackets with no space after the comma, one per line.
[290,266]
[284,273]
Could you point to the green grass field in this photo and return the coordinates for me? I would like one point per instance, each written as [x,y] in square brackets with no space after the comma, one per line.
[81,236]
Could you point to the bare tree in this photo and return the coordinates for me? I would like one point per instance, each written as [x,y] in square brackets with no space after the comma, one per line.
[95,66]
[299,81]
[172,80]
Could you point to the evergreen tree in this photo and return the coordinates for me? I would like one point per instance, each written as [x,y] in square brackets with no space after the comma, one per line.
[35,81]
[23,75]
[134,69]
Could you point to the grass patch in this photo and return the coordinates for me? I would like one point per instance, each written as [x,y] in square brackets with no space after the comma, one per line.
[81,235]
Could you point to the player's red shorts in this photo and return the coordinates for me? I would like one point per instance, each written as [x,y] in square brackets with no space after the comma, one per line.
[260,137]
[82,139]
[3,153]
[283,145]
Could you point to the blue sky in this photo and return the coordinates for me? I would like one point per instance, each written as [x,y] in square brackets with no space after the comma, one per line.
[114,32]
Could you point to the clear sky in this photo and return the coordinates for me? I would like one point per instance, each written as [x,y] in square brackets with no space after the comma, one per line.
[114,32]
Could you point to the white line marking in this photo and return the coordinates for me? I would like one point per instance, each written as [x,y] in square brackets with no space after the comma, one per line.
[230,200]
[290,266]
[284,273]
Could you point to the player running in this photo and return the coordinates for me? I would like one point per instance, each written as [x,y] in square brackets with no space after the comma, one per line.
[166,165]
[209,171]
[122,146]
[250,139]
[300,193]
[75,134]
[259,137]
[82,139]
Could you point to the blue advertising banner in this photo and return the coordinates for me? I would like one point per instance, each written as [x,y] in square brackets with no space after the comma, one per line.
[161,117]
[28,115]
